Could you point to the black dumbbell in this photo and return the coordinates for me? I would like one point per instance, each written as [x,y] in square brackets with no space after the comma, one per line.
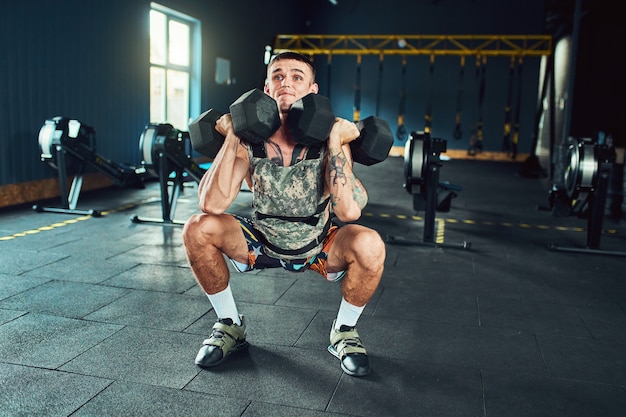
[204,138]
[255,118]
[374,143]
[311,118]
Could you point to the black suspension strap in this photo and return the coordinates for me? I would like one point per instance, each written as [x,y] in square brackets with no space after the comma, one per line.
[357,91]
[401,132]
[476,142]
[458,132]
[379,89]
[506,141]
[428,117]
[518,105]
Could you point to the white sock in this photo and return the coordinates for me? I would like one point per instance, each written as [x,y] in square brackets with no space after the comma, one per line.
[348,314]
[224,305]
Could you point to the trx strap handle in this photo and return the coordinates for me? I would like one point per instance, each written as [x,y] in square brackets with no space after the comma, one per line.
[429,109]
[458,133]
[506,141]
[401,132]
[476,142]
[357,91]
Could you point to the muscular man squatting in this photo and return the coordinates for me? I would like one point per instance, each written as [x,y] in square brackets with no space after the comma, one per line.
[296,191]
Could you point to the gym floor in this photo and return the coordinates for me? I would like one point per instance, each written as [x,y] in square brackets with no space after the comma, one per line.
[101,316]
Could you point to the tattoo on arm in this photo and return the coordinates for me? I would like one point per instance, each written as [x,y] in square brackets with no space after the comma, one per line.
[359,194]
[338,178]
[337,164]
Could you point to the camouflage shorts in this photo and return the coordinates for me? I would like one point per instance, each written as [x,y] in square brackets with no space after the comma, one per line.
[259,259]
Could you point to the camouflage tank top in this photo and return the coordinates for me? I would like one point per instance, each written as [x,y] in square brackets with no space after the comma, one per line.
[289,204]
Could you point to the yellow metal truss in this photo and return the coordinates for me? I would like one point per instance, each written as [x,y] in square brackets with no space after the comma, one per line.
[479,45]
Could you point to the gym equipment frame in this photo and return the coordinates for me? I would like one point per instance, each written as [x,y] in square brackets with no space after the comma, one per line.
[166,154]
[68,146]
[422,164]
[586,180]
[483,45]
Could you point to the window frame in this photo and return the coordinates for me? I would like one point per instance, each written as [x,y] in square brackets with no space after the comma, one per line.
[193,69]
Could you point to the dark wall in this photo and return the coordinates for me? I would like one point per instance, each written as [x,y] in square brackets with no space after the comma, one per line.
[599,101]
[425,16]
[88,59]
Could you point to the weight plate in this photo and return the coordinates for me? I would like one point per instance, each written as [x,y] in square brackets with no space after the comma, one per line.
[580,174]
[414,162]
[59,131]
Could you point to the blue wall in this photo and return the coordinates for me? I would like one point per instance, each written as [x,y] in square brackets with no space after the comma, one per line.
[88,59]
[75,59]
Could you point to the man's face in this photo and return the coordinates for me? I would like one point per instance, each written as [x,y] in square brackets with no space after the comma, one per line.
[289,80]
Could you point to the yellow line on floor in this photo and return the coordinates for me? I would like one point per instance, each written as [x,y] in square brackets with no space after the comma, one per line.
[441,227]
[484,223]
[69,221]
[45,228]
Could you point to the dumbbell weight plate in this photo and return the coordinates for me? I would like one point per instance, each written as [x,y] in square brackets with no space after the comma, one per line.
[204,138]
[255,116]
[310,119]
[375,142]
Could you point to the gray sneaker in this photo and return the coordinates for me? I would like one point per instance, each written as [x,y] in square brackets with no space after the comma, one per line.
[226,338]
[346,345]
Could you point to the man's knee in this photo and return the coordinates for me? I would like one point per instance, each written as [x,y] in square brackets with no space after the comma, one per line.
[368,249]
[369,241]
[192,230]
[203,229]
[204,233]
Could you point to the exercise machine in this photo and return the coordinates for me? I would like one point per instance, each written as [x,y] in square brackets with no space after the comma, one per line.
[68,146]
[584,191]
[422,163]
[166,154]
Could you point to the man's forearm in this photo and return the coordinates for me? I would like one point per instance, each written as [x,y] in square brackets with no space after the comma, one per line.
[348,195]
[221,183]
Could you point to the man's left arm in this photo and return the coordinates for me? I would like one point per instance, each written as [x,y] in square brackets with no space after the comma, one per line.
[347,194]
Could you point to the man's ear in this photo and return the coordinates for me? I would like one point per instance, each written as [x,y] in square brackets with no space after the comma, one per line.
[314,88]
[266,88]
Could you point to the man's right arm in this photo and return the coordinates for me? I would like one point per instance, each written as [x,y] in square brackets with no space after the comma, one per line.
[220,185]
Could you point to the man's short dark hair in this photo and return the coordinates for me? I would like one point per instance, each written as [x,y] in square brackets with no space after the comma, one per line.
[296,56]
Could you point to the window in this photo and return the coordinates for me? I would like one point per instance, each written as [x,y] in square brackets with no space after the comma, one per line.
[174,67]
